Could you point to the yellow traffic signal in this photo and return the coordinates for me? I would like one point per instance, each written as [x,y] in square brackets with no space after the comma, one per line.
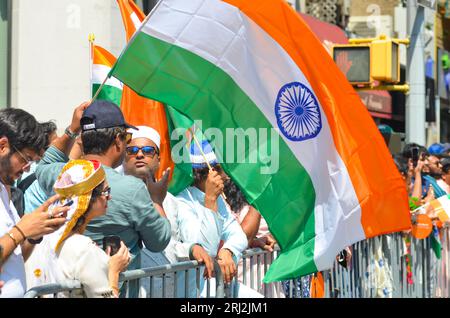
[364,61]
[385,61]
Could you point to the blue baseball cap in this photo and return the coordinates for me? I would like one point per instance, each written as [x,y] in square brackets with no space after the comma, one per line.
[103,114]
[436,149]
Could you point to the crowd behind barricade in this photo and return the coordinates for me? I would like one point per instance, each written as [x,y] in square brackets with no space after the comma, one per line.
[87,206]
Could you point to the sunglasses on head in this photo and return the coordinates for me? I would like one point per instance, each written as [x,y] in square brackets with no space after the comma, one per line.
[127,136]
[146,150]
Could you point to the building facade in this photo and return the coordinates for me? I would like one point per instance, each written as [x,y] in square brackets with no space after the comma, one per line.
[44,58]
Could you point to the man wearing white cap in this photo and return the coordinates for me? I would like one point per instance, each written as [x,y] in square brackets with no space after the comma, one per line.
[142,161]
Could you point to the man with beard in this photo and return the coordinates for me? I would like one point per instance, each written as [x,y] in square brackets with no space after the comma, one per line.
[432,173]
[21,142]
[431,168]
[142,161]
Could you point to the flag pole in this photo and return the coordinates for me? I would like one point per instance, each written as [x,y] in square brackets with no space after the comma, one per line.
[126,47]
[91,39]
[204,158]
[99,90]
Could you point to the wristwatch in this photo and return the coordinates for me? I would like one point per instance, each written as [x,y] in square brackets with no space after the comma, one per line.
[34,242]
[231,252]
[191,249]
[71,134]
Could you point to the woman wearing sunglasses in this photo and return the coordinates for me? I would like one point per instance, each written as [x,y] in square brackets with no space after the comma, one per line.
[67,253]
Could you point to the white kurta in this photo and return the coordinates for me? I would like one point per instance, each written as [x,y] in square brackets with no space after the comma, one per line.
[79,258]
[13,270]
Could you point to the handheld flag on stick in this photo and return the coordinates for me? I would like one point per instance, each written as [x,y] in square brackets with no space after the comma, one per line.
[256,65]
[102,61]
[438,208]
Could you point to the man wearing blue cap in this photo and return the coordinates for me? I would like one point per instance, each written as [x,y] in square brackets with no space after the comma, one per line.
[133,214]
[202,204]
[433,169]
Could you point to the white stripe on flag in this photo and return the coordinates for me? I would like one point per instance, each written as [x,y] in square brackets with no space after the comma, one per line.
[100,72]
[136,21]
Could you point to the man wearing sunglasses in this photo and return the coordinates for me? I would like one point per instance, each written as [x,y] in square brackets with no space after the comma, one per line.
[132,213]
[143,161]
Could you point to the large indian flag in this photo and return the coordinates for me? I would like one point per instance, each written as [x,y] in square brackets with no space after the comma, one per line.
[257,65]
[102,61]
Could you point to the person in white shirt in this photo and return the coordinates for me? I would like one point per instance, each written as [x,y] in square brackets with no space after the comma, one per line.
[21,142]
[142,161]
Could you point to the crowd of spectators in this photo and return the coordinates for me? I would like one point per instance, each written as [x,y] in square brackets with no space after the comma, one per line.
[62,196]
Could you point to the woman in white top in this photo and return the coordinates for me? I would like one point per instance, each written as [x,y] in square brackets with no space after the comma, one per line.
[67,253]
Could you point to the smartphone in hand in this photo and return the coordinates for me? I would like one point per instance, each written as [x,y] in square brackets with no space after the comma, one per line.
[112,241]
[415,155]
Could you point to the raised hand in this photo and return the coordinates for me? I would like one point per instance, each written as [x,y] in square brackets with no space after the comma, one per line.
[213,188]
[75,126]
[158,189]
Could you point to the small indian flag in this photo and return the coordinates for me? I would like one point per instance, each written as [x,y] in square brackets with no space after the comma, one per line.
[256,65]
[102,61]
[441,207]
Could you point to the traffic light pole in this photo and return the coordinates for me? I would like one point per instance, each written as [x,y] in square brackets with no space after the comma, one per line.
[415,76]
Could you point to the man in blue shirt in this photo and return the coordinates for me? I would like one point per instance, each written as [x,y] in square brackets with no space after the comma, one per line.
[202,204]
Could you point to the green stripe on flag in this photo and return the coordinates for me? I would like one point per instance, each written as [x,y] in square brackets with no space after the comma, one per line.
[436,242]
[109,93]
[199,89]
[182,174]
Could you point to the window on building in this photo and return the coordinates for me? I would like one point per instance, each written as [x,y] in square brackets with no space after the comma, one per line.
[4,51]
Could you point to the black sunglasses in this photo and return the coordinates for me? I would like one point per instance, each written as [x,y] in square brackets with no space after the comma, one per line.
[146,150]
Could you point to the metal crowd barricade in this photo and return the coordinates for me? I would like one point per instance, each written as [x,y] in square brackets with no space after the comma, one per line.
[361,279]
[69,286]
[171,277]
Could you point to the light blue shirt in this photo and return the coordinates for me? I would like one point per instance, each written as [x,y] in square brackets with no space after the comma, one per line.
[206,227]
[34,197]
[199,224]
